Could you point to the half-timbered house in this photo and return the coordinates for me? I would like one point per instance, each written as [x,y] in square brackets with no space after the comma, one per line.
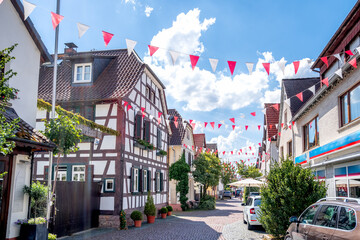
[121,92]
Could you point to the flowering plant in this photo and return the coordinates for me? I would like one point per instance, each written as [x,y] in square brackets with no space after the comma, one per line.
[31,221]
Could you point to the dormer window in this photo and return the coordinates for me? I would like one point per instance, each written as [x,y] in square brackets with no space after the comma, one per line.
[82,73]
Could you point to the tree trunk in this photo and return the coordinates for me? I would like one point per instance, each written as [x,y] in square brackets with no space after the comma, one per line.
[56,173]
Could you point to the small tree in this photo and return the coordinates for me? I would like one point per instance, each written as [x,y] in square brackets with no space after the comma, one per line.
[179,171]
[247,171]
[38,194]
[227,173]
[7,128]
[150,209]
[289,190]
[207,171]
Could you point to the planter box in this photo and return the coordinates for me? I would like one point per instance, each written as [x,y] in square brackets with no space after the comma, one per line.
[33,232]
[136,144]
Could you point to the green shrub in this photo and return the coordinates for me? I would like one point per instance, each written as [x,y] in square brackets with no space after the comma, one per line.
[289,191]
[150,209]
[38,194]
[123,224]
[51,236]
[169,208]
[248,190]
[207,203]
[164,210]
[136,215]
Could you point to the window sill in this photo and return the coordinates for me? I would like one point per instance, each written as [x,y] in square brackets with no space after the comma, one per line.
[348,125]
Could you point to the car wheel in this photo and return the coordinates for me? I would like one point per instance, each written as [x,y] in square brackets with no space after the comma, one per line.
[249,227]
[244,218]
[288,237]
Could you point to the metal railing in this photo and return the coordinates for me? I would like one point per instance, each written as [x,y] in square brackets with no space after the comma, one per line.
[343,199]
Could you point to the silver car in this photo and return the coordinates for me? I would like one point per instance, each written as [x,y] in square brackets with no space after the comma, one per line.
[251,211]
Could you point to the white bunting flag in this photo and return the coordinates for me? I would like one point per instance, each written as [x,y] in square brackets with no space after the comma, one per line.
[130,45]
[213,63]
[265,127]
[174,56]
[282,66]
[167,121]
[276,126]
[151,117]
[28,8]
[338,57]
[287,101]
[339,73]
[358,49]
[312,89]
[264,111]
[250,67]
[82,28]
[184,125]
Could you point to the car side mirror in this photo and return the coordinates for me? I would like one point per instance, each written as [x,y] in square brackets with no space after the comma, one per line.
[293,219]
[242,204]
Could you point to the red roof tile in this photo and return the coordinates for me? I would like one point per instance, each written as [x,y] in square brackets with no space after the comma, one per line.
[199,140]
[272,118]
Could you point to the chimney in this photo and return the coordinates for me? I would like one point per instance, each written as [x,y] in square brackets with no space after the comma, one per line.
[70,48]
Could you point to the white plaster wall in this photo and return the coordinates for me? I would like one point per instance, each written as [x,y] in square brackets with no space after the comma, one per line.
[26,64]
[109,142]
[111,169]
[107,203]
[40,167]
[99,167]
[101,110]
[286,132]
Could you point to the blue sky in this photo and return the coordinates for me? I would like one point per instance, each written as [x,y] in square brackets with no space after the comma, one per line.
[238,30]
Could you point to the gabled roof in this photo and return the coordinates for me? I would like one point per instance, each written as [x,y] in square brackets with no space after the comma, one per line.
[271,118]
[26,133]
[116,80]
[212,146]
[46,57]
[297,85]
[199,140]
[178,133]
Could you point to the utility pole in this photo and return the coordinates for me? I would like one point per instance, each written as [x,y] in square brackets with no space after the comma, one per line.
[49,203]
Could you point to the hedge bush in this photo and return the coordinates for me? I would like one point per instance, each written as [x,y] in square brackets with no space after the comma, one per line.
[207,203]
[164,210]
[136,215]
[150,209]
[169,208]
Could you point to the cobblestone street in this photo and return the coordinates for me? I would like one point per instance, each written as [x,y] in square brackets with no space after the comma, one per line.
[226,222]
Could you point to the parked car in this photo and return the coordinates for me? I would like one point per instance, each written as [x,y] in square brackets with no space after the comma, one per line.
[251,211]
[254,194]
[237,193]
[328,218]
[226,194]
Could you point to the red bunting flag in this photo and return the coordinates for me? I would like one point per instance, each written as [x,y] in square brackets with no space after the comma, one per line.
[293,123]
[129,107]
[176,122]
[232,120]
[152,49]
[233,127]
[176,118]
[352,62]
[159,117]
[250,148]
[205,124]
[325,81]
[269,139]
[193,125]
[143,114]
[193,59]
[212,124]
[159,114]
[279,133]
[107,37]
[231,152]
[223,152]
[325,60]
[246,127]
[192,147]
[56,19]
[190,121]
[276,106]
[241,150]
[289,126]
[259,126]
[219,125]
[282,125]
[300,96]
[260,144]
[253,113]
[125,103]
[232,65]
[271,126]
[267,67]
[349,52]
[142,109]
[296,66]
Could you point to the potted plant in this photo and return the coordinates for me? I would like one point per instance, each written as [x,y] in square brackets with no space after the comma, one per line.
[170,209]
[150,209]
[51,236]
[33,228]
[137,217]
[163,212]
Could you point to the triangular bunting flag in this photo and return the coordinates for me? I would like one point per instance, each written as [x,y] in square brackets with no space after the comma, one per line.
[219,125]
[352,62]
[246,127]
[193,59]
[267,67]
[129,107]
[130,45]
[232,65]
[312,89]
[271,126]
[125,103]
[349,52]
[282,125]
[325,81]
[28,8]
[232,120]
[205,124]
[325,60]
[259,127]
[250,67]
[290,126]
[253,113]
[337,55]
[174,55]
[213,63]
[142,109]
[56,19]
[107,37]
[358,49]
[233,127]
[296,66]
[279,133]
[265,127]
[184,124]
[293,123]
[282,66]
[212,124]
[193,125]
[276,126]
[287,101]
[339,73]
[190,121]
[276,106]
[82,28]
[300,96]
[152,49]
[176,124]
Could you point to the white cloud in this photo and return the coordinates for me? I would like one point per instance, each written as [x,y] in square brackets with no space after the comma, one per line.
[130,1]
[201,89]
[148,11]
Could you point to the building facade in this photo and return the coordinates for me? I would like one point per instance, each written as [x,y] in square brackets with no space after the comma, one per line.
[118,91]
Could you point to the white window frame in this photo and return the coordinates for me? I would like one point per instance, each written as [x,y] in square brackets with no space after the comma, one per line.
[61,173]
[145,180]
[83,73]
[73,173]
[106,182]
[136,180]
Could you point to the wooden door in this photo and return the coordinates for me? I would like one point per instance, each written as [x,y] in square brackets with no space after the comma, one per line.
[5,176]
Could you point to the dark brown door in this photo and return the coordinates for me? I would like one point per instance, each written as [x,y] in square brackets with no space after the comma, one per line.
[5,176]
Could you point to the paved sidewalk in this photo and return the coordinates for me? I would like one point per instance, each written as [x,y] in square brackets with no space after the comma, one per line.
[226,222]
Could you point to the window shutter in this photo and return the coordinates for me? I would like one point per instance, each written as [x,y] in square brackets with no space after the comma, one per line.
[161,182]
[156,177]
[132,180]
[147,131]
[159,138]
[149,180]
[46,172]
[140,180]
[137,127]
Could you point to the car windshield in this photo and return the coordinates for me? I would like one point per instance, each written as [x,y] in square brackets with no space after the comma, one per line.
[257,202]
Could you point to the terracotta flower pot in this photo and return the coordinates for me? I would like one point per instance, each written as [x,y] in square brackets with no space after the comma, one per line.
[137,223]
[150,219]
[169,213]
[163,215]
